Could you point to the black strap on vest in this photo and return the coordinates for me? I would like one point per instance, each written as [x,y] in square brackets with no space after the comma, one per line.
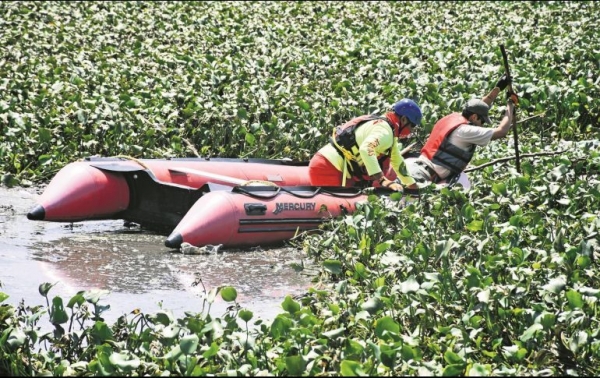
[357,172]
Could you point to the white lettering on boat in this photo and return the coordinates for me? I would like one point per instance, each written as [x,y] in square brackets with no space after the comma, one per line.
[293,206]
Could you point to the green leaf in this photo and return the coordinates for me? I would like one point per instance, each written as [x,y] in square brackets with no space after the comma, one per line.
[162,317]
[212,351]
[45,134]
[499,189]
[382,247]
[229,294]
[578,340]
[350,368]
[556,285]
[521,354]
[77,299]
[372,305]
[530,332]
[386,326]
[410,353]
[101,332]
[475,225]
[353,349]
[410,285]
[478,370]
[280,327]
[16,339]
[333,266]
[453,370]
[94,295]
[215,327]
[188,344]
[125,362]
[295,365]
[3,296]
[335,333]
[58,315]
[290,305]
[360,269]
[303,104]
[453,358]
[548,321]
[45,288]
[173,354]
[388,355]
[575,299]
[250,139]
[246,315]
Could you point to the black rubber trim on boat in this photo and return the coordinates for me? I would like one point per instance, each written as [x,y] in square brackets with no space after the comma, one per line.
[37,213]
[174,241]
[255,208]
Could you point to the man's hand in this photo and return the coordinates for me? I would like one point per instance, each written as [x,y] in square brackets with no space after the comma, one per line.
[503,82]
[395,186]
[510,109]
[512,97]
[391,185]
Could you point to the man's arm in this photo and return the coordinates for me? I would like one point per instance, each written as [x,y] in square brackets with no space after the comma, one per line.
[500,86]
[399,166]
[491,97]
[377,140]
[504,127]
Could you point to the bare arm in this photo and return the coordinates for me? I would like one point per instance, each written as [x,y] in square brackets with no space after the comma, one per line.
[490,97]
[504,127]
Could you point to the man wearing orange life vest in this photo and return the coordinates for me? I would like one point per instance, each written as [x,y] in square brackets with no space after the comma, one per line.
[356,147]
[453,139]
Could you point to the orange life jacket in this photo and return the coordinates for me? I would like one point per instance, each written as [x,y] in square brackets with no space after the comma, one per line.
[440,151]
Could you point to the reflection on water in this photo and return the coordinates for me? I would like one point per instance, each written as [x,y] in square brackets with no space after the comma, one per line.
[136,262]
[134,265]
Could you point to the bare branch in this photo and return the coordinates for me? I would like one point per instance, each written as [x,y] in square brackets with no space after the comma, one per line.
[533,116]
[509,158]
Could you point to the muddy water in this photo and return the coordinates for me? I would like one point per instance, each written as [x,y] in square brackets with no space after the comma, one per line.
[133,265]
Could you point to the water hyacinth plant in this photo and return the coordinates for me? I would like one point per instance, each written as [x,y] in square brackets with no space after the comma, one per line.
[497,280]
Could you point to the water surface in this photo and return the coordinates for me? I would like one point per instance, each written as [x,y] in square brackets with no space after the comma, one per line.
[133,265]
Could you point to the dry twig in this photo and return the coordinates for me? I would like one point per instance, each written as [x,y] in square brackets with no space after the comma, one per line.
[509,158]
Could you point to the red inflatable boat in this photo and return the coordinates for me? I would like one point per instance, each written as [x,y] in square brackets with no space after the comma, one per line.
[261,215]
[152,192]
[232,202]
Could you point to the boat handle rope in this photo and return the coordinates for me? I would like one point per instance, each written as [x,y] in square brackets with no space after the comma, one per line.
[240,189]
[263,182]
[135,160]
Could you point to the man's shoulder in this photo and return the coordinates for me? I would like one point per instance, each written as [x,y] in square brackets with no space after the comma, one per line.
[472,134]
[467,128]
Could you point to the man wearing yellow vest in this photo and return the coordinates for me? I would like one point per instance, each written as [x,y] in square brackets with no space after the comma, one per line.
[355,149]
[453,139]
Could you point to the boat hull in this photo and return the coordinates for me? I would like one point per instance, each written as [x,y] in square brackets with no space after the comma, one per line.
[264,215]
[116,188]
[198,201]
[251,216]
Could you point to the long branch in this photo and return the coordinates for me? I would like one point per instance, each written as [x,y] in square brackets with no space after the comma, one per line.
[501,160]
